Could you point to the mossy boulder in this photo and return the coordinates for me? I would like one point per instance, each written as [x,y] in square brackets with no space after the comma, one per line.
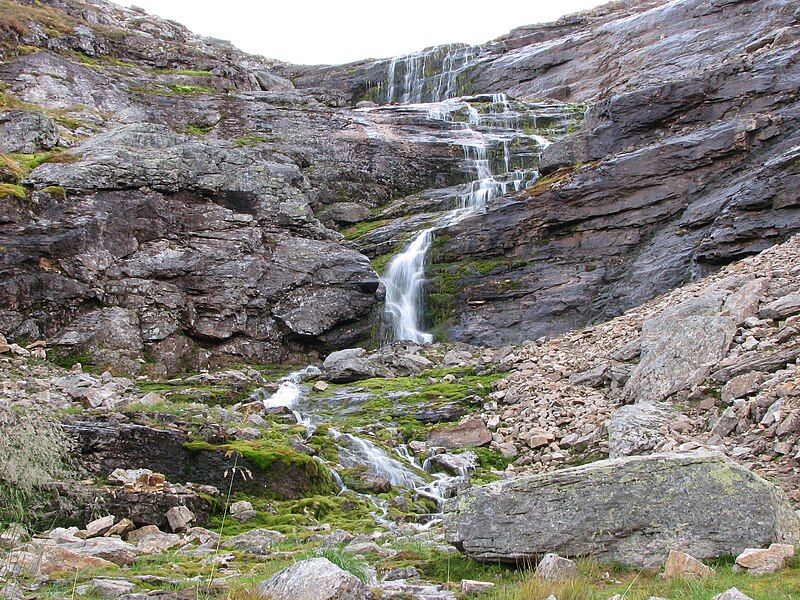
[631,510]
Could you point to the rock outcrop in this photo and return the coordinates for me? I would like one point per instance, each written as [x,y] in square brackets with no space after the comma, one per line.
[627,510]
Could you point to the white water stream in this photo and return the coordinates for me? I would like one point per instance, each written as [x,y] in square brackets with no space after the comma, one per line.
[401,471]
[404,278]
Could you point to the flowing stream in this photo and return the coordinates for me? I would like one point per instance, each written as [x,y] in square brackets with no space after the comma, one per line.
[401,470]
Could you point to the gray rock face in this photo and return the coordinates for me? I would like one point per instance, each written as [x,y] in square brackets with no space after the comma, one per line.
[26,132]
[679,347]
[313,579]
[631,510]
[635,428]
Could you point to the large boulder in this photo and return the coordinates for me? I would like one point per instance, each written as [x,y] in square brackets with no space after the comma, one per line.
[352,364]
[313,579]
[632,510]
[679,347]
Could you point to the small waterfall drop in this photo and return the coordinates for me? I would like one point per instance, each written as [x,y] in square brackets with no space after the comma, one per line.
[430,75]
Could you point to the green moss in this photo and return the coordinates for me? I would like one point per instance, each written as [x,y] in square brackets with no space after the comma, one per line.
[174,89]
[196,129]
[186,72]
[359,229]
[273,453]
[10,190]
[56,191]
[250,139]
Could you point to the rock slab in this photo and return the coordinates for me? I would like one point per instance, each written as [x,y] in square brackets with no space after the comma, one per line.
[313,579]
[632,510]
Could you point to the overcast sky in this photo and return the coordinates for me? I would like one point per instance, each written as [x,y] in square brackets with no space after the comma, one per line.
[340,31]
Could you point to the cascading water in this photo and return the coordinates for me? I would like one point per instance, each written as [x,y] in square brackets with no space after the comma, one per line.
[355,451]
[405,274]
[430,75]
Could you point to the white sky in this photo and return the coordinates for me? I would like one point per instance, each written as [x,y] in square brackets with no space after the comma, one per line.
[340,31]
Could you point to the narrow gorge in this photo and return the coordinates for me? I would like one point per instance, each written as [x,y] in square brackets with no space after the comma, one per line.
[509,321]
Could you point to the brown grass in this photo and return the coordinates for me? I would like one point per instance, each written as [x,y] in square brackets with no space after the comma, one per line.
[16,18]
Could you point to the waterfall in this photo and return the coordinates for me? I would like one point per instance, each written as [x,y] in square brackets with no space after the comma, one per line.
[430,75]
[404,279]
[405,274]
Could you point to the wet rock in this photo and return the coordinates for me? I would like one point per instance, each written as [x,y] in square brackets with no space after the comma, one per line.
[351,365]
[472,432]
[553,567]
[454,464]
[313,579]
[624,510]
[681,564]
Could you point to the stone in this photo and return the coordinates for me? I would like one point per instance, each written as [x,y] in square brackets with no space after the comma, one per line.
[108,548]
[320,386]
[472,586]
[637,428]
[49,559]
[180,518]
[27,132]
[553,567]
[13,535]
[679,347]
[121,528]
[454,464]
[781,308]
[242,511]
[255,541]
[313,579]
[349,365]
[680,565]
[404,573]
[742,385]
[346,213]
[732,594]
[111,588]
[760,561]
[98,526]
[472,432]
[151,540]
[623,510]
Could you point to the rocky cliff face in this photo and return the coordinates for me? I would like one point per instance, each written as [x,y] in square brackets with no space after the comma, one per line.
[169,199]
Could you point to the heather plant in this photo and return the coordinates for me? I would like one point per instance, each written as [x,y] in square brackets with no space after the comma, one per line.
[34,453]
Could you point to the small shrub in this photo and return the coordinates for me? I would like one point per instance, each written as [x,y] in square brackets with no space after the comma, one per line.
[34,453]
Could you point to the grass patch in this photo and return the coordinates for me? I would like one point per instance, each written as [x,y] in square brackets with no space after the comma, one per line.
[346,562]
[16,18]
[12,190]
